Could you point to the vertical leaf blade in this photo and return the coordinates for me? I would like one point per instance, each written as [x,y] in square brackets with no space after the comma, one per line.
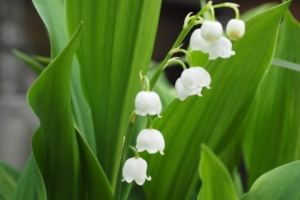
[117,43]
[216,180]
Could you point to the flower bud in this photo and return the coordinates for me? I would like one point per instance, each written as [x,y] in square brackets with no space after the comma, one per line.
[211,31]
[150,140]
[235,29]
[135,169]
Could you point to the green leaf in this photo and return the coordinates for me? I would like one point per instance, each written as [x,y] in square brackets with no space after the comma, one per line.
[277,184]
[272,125]
[33,64]
[216,180]
[212,119]
[49,98]
[95,180]
[259,9]
[31,184]
[53,13]
[117,42]
[9,177]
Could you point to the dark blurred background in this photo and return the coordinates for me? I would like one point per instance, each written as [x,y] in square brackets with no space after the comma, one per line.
[22,28]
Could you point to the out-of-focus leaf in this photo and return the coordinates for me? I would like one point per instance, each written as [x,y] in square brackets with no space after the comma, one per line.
[286,64]
[117,42]
[255,11]
[277,184]
[216,180]
[49,98]
[53,13]
[272,125]
[31,184]
[42,59]
[33,64]
[9,177]
[212,119]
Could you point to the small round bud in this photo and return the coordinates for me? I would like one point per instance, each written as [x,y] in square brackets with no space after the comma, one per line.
[235,29]
[211,31]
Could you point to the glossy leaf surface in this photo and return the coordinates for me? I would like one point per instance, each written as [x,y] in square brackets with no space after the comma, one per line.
[272,126]
[277,184]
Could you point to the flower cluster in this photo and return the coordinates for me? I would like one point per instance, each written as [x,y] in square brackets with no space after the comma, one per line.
[147,103]
[209,39]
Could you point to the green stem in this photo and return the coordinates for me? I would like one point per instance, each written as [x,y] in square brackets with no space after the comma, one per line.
[230,5]
[149,122]
[136,154]
[188,55]
[177,61]
[212,13]
[118,189]
[179,40]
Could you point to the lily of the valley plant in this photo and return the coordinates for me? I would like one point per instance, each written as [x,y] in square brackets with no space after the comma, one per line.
[236,103]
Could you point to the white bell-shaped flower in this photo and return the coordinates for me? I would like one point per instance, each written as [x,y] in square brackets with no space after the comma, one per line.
[197,42]
[135,169]
[183,92]
[193,80]
[235,29]
[221,48]
[150,140]
[195,77]
[147,103]
[211,30]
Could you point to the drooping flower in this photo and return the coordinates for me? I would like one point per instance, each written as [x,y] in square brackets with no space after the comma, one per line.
[197,42]
[150,140]
[211,31]
[221,48]
[135,169]
[191,82]
[147,103]
[235,29]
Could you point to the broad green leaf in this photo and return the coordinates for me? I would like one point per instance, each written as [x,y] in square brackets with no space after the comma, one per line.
[9,177]
[116,44]
[216,180]
[272,125]
[277,184]
[212,119]
[49,98]
[54,16]
[31,184]
[259,9]
[30,62]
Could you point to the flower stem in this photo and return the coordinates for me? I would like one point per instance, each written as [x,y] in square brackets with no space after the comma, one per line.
[118,188]
[149,122]
[136,154]
[230,5]
[188,55]
[178,41]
